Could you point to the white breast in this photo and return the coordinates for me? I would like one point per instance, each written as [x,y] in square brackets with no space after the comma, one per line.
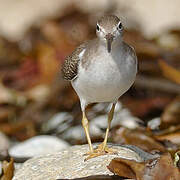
[105,79]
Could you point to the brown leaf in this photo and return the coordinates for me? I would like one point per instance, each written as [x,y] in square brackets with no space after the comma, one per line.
[149,170]
[173,137]
[141,107]
[6,112]
[122,169]
[48,63]
[20,129]
[138,138]
[165,165]
[23,76]
[8,170]
[171,114]
[132,168]
[169,71]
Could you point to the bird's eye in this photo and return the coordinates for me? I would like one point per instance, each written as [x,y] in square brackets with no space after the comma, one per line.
[120,26]
[98,28]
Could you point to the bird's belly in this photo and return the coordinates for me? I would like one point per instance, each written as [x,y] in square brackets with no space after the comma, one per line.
[103,83]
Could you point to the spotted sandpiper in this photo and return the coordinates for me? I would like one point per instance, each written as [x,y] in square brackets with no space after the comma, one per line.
[101,70]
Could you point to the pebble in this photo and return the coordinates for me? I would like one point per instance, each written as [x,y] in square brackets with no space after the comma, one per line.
[58,123]
[38,145]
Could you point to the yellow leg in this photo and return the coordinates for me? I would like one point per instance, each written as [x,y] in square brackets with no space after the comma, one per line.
[102,148]
[110,117]
[86,129]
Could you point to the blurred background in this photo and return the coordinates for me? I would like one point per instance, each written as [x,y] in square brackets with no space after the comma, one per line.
[35,38]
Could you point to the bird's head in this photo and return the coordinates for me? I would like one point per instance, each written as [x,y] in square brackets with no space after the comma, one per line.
[109,29]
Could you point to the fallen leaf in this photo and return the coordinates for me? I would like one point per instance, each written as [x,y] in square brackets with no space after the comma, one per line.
[149,170]
[173,137]
[25,75]
[138,138]
[169,71]
[122,169]
[8,170]
[171,114]
[20,129]
[6,112]
[142,107]
[48,63]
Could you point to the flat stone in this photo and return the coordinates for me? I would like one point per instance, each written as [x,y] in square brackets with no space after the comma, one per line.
[38,145]
[70,163]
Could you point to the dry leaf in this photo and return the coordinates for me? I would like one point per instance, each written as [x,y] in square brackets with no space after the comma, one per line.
[169,71]
[122,169]
[48,63]
[133,168]
[8,170]
[171,114]
[149,170]
[173,137]
[138,138]
[141,107]
[20,129]
[23,76]
[177,159]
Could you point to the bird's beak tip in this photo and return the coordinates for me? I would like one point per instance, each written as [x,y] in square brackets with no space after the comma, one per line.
[109,39]
[109,50]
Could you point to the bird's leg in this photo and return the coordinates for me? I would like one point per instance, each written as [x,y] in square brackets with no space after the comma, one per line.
[86,129]
[103,146]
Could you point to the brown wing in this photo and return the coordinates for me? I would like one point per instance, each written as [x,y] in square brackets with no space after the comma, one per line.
[71,64]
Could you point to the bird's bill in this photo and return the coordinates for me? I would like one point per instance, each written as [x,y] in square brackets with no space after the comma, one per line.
[109,39]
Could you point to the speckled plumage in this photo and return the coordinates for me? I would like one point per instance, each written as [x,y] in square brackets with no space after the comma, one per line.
[71,63]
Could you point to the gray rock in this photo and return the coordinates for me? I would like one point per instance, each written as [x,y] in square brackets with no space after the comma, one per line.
[69,163]
[122,116]
[75,133]
[4,142]
[154,123]
[38,145]
[58,123]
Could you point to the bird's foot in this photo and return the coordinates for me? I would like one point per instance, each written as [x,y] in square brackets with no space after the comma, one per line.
[93,155]
[101,150]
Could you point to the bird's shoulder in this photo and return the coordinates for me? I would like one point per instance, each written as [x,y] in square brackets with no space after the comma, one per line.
[129,50]
[71,63]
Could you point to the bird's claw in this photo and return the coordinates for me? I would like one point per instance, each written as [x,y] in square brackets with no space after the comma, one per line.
[101,150]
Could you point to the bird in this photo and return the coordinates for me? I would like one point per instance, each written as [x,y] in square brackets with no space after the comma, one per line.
[100,71]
